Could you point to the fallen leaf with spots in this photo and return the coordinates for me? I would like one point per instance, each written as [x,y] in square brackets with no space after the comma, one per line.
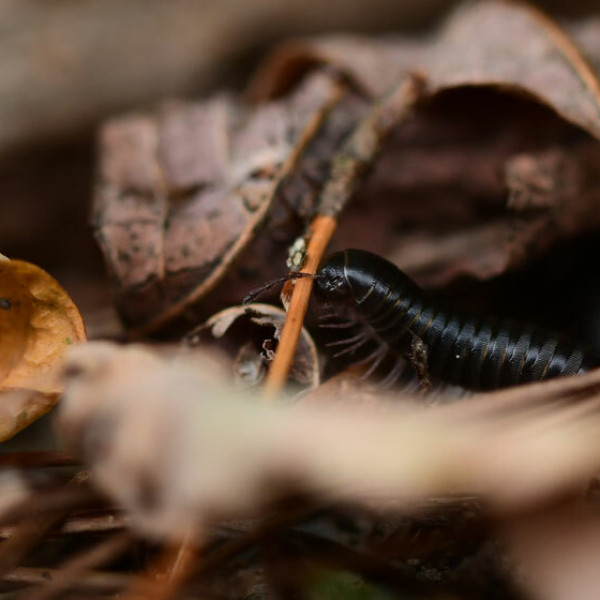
[38,323]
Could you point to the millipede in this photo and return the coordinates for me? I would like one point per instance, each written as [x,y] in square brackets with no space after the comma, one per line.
[417,329]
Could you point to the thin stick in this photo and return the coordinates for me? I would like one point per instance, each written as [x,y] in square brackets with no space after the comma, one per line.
[83,564]
[351,164]
[348,169]
[103,523]
[320,233]
[33,460]
[94,581]
[167,574]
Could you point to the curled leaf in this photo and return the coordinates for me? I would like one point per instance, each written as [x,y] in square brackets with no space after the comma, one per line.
[250,333]
[38,323]
[511,46]
[440,182]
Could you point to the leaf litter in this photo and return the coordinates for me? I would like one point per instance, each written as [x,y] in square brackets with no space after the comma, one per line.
[518,451]
[183,165]
[468,151]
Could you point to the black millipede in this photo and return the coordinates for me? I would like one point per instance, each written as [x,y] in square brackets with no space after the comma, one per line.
[476,353]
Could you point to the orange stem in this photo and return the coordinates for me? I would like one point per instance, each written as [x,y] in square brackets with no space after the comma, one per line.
[167,574]
[320,233]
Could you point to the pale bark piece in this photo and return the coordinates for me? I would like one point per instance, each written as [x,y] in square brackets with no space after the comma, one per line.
[182,193]
[200,451]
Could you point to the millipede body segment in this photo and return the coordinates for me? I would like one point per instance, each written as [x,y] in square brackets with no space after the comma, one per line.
[478,353]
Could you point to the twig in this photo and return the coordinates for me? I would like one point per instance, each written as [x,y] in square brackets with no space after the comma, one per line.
[77,567]
[351,164]
[39,515]
[181,561]
[30,460]
[64,498]
[348,169]
[103,523]
[95,581]
[26,536]
[320,233]
[167,574]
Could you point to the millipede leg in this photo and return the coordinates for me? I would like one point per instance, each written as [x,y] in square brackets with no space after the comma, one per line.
[362,339]
[392,377]
[473,352]
[354,338]
[342,325]
[378,355]
[324,316]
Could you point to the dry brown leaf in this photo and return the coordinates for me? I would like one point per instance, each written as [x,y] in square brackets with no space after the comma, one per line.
[183,191]
[38,323]
[178,449]
[512,45]
[491,43]
[445,186]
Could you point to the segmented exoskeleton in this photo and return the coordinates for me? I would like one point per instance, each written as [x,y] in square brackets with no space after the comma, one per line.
[476,353]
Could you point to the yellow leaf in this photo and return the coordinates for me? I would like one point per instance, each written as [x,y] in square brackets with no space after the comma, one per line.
[38,322]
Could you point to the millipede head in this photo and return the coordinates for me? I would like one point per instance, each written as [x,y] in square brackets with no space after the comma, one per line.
[331,286]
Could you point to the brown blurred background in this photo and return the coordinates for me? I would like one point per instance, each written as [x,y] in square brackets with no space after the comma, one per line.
[67,64]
